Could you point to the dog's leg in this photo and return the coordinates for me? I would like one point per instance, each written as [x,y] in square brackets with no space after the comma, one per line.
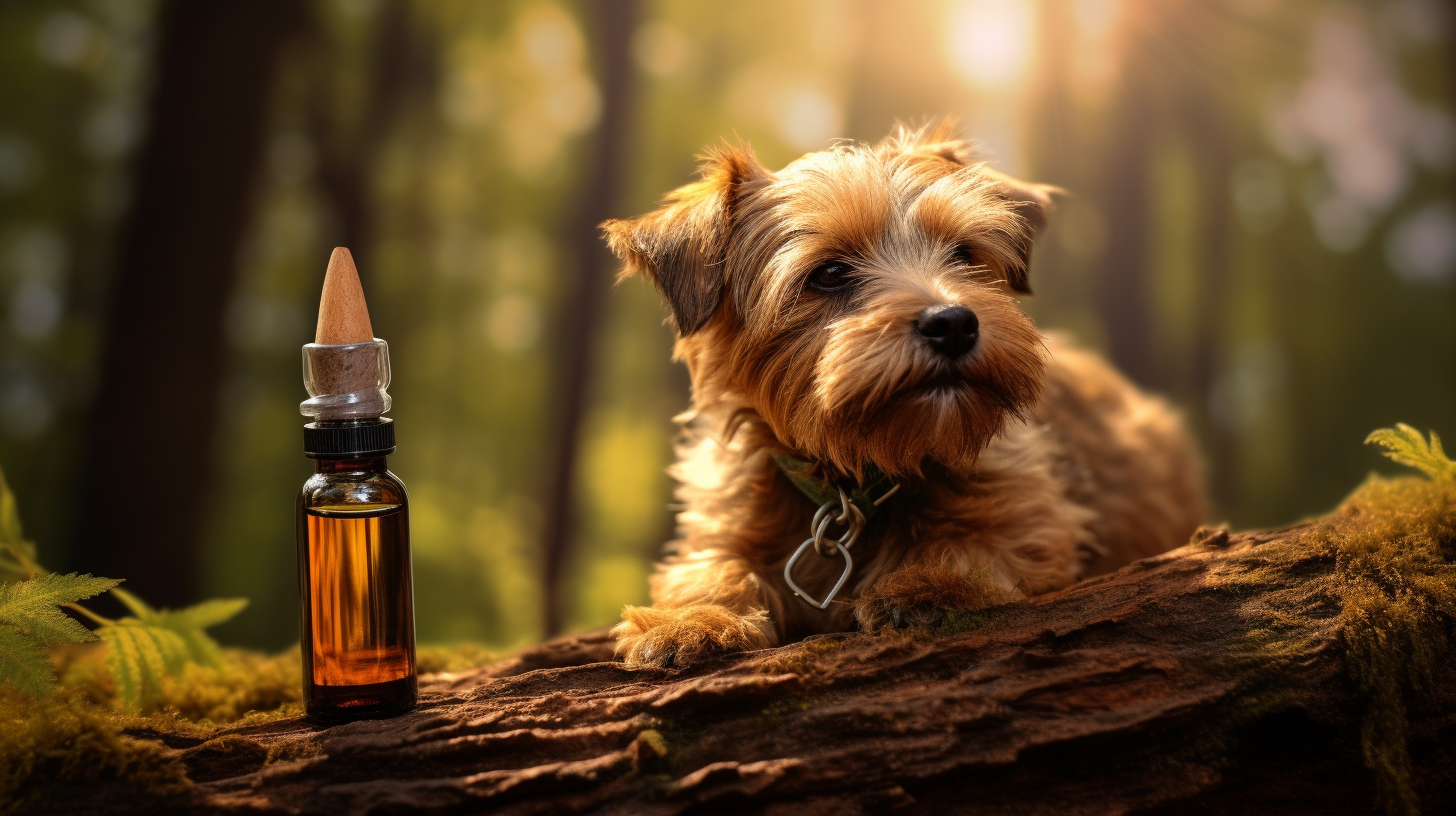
[705,603]
[1035,550]
[925,596]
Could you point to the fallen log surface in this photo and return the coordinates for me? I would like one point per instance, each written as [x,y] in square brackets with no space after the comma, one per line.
[1211,679]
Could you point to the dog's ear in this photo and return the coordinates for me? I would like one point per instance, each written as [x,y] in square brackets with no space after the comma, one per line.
[1033,202]
[682,246]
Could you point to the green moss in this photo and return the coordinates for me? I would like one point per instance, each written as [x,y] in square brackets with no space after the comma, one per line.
[248,687]
[295,750]
[653,740]
[782,708]
[1393,543]
[66,740]
[1382,565]
[458,658]
[957,622]
[803,658]
[79,735]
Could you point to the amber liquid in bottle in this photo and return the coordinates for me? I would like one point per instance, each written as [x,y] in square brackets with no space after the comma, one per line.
[354,578]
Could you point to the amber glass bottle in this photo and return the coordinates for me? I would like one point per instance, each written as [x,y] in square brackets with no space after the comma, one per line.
[357,618]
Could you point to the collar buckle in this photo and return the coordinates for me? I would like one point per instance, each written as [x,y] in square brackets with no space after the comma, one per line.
[854,509]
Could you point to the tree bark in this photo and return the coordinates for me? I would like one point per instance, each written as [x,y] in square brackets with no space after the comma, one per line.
[1156,690]
[149,437]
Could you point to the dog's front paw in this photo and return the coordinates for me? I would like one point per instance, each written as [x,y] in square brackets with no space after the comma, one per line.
[925,598]
[668,638]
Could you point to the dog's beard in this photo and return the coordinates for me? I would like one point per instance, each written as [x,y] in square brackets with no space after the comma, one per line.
[880,395]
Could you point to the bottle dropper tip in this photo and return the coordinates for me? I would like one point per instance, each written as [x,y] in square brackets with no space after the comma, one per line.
[343,316]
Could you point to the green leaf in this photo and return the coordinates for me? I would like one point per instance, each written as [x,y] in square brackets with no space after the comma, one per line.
[30,620]
[24,664]
[9,515]
[31,606]
[137,606]
[188,624]
[140,656]
[124,660]
[209,613]
[143,650]
[16,554]
[1405,445]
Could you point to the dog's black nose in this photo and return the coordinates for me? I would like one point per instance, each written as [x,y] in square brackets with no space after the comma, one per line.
[949,328]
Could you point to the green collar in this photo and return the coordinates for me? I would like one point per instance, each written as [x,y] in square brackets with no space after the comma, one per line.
[875,488]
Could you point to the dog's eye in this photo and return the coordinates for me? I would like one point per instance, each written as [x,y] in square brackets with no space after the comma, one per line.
[831,276]
[967,256]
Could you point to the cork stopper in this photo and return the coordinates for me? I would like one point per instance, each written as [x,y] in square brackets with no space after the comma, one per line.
[343,316]
[346,368]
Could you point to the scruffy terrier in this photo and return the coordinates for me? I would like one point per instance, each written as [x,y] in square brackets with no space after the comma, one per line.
[879,435]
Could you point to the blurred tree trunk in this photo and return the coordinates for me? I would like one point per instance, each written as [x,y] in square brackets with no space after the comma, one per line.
[142,489]
[1213,143]
[1450,54]
[1123,287]
[611,24]
[400,68]
[1053,137]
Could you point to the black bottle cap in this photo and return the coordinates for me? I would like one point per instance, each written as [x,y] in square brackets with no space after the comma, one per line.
[353,440]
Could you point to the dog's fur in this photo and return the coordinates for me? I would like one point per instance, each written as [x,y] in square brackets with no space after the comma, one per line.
[1024,465]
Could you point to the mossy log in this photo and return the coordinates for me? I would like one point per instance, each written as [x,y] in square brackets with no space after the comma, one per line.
[1217,678]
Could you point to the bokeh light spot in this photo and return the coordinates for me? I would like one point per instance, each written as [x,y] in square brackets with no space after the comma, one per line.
[24,408]
[1258,192]
[990,41]
[808,118]
[513,322]
[1422,246]
[66,38]
[1340,224]
[660,48]
[35,309]
[17,163]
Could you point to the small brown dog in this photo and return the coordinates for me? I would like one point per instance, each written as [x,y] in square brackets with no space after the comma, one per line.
[862,375]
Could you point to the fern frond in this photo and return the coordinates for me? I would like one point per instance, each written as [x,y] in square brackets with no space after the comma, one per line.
[24,664]
[140,656]
[138,607]
[143,650]
[208,613]
[32,606]
[16,554]
[124,660]
[30,620]
[190,623]
[1405,445]
[9,515]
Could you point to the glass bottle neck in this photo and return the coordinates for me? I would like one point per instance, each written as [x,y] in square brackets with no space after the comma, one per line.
[368,464]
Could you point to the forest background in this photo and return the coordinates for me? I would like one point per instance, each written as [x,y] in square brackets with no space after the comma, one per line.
[1259,224]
